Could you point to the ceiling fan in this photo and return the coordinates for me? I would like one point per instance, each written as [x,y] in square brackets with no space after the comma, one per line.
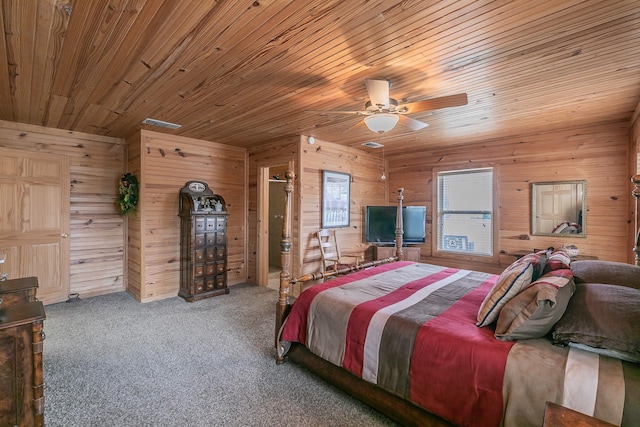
[382,113]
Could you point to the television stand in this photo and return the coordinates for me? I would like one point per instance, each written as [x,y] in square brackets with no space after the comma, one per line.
[411,253]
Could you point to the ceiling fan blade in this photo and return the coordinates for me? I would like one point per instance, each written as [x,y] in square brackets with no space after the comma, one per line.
[412,124]
[436,103]
[378,92]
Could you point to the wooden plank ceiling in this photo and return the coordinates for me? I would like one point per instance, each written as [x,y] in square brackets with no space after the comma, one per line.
[247,72]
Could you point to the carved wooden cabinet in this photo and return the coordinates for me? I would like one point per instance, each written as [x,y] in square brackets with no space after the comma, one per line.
[203,242]
[21,372]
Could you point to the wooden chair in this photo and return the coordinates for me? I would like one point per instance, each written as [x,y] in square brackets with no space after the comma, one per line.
[332,259]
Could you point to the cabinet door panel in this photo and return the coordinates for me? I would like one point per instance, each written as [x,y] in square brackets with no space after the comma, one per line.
[221,282]
[210,269]
[220,267]
[199,270]
[198,283]
[16,376]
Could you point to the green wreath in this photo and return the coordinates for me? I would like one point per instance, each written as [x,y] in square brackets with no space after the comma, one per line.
[128,197]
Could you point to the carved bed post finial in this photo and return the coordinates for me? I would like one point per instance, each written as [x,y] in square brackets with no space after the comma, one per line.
[399,226]
[285,253]
[636,193]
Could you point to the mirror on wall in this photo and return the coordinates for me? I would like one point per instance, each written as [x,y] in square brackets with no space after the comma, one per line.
[559,208]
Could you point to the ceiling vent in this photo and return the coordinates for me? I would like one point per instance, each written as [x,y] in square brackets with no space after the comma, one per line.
[154,122]
[372,144]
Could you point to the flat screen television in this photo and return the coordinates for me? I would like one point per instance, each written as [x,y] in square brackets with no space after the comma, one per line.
[380,224]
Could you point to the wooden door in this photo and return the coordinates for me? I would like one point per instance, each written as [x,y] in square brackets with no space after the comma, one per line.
[34,220]
[556,204]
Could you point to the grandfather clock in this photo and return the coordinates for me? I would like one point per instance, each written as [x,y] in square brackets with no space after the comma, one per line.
[203,242]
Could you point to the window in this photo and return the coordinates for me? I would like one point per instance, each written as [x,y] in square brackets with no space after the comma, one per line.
[464,220]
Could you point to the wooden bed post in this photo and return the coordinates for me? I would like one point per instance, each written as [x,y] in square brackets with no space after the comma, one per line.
[285,251]
[399,228]
[636,193]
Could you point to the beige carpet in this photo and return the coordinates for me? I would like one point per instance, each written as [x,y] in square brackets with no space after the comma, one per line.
[111,361]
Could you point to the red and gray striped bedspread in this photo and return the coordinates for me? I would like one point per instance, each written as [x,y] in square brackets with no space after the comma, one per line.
[410,328]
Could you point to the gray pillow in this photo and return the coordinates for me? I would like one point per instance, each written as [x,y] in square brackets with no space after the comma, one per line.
[533,312]
[602,316]
[615,273]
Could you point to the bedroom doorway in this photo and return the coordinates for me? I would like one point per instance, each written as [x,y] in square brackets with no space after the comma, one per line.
[271,214]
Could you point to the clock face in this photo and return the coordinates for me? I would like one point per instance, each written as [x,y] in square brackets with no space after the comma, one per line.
[197,187]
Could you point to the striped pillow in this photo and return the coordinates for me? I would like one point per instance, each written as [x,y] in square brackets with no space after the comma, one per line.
[533,312]
[512,280]
[557,260]
[538,260]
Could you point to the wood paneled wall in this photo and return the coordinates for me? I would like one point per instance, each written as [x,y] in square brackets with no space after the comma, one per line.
[135,248]
[634,141]
[367,188]
[597,154]
[165,163]
[634,169]
[97,230]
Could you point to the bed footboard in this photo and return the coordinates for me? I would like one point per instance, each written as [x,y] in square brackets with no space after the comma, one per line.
[384,402]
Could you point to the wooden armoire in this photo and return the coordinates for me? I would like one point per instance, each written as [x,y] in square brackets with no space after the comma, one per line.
[203,242]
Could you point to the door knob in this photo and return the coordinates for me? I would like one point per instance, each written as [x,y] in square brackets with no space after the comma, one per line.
[64,235]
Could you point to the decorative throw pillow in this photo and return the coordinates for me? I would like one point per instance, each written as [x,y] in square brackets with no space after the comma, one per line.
[557,260]
[602,316]
[538,260]
[533,312]
[512,280]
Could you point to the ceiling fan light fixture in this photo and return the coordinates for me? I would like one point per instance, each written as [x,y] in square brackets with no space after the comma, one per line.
[380,123]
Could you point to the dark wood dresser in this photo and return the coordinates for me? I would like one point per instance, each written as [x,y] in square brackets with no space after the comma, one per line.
[203,242]
[21,345]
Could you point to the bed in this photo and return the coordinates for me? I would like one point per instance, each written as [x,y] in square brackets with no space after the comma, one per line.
[427,345]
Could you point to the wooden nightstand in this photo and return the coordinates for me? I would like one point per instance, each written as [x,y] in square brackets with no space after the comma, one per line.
[558,416]
[411,253]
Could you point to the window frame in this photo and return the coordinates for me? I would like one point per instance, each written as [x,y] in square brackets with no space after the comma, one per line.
[495,222]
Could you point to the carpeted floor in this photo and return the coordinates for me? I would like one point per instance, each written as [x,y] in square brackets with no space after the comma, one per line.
[111,361]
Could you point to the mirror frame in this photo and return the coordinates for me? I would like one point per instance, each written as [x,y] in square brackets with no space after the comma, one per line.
[534,190]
